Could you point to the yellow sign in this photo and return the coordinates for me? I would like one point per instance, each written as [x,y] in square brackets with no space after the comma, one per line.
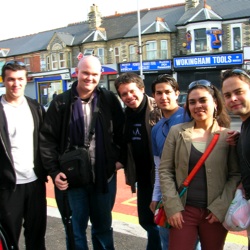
[1,79]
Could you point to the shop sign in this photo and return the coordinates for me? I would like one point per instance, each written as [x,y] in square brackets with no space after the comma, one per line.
[146,66]
[208,60]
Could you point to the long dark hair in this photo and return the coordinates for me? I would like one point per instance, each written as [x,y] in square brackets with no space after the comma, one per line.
[220,114]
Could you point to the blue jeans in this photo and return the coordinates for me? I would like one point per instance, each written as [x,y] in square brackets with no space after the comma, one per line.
[86,204]
[164,235]
[146,217]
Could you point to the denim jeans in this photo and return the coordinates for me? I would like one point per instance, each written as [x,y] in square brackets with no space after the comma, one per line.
[146,217]
[86,204]
[164,235]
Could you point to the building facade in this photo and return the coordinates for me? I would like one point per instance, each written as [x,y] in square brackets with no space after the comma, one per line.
[194,40]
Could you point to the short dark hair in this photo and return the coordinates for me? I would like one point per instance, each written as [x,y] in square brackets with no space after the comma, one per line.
[129,77]
[14,66]
[165,78]
[244,75]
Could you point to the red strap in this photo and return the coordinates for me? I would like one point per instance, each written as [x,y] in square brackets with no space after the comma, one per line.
[201,160]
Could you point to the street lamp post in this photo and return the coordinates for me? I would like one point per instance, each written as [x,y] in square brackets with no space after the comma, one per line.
[139,39]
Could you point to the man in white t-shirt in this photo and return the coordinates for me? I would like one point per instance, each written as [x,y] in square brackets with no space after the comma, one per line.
[22,176]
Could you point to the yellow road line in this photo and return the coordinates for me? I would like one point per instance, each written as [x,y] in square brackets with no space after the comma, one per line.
[236,239]
[128,202]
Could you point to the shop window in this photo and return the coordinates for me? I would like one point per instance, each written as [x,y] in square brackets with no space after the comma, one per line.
[151,48]
[200,40]
[164,49]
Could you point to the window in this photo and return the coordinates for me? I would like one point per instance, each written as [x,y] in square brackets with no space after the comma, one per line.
[88,52]
[62,61]
[42,63]
[117,55]
[27,63]
[164,49]
[48,63]
[236,35]
[132,55]
[200,40]
[54,61]
[151,50]
[100,54]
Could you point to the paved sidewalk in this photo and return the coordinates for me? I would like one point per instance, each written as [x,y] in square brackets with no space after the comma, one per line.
[127,236]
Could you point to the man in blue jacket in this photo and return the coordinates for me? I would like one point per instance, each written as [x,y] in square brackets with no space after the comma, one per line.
[165,90]
[22,176]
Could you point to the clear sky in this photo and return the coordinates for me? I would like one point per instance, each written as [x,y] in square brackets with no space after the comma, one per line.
[20,18]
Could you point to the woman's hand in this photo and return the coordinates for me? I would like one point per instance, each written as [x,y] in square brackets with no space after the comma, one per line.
[212,218]
[176,220]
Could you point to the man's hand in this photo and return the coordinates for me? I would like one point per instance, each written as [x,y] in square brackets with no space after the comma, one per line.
[118,165]
[153,205]
[61,181]
[233,137]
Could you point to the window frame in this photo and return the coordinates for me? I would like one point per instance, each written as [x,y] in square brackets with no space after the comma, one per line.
[164,51]
[151,51]
[198,40]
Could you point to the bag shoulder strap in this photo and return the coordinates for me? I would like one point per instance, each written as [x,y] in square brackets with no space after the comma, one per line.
[201,160]
[92,125]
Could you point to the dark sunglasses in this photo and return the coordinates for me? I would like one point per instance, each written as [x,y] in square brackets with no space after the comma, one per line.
[15,62]
[205,83]
[240,72]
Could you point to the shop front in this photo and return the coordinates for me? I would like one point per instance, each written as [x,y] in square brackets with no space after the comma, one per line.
[209,67]
[108,76]
[150,69]
[51,83]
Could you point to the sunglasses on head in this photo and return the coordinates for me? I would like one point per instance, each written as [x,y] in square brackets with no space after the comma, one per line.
[240,72]
[205,83]
[15,62]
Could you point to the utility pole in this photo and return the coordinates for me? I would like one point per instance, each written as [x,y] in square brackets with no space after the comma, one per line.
[139,40]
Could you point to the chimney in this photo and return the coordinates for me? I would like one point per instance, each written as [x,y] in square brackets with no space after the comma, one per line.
[191,4]
[95,17]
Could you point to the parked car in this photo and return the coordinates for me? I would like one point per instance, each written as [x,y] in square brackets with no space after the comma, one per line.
[182,99]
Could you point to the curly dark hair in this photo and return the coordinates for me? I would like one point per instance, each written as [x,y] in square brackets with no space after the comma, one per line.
[129,77]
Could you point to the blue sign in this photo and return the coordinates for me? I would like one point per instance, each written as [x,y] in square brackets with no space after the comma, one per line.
[208,60]
[146,66]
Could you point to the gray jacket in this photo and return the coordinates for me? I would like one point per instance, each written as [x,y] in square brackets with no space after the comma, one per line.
[222,170]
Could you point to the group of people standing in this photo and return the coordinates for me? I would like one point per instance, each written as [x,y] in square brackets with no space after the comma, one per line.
[155,141]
